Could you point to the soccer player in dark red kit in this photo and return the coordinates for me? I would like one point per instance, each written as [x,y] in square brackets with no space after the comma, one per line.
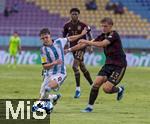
[113,71]
[74,27]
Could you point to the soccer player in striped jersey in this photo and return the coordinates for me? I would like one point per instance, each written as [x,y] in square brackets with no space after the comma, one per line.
[52,57]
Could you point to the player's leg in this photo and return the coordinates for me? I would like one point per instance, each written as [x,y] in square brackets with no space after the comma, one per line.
[43,95]
[94,92]
[86,72]
[59,78]
[116,76]
[77,77]
[50,83]
[11,56]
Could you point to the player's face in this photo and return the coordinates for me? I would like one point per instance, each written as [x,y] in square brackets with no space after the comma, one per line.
[106,27]
[74,16]
[46,39]
[15,34]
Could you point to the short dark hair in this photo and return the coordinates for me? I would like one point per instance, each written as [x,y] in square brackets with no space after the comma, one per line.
[107,20]
[74,10]
[44,31]
[15,32]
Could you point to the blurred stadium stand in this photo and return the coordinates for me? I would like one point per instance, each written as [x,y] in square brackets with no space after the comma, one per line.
[2,5]
[133,25]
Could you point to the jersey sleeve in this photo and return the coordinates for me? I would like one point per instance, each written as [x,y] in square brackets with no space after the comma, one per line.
[44,58]
[112,37]
[65,31]
[63,41]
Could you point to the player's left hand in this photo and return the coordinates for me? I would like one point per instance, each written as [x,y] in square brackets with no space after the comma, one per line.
[84,31]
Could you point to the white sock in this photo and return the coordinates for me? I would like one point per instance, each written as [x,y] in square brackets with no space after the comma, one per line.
[78,88]
[90,106]
[45,93]
[120,89]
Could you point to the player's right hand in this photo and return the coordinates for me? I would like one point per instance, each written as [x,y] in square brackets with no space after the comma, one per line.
[83,41]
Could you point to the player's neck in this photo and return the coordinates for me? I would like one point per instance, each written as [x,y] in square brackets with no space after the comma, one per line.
[74,21]
[49,43]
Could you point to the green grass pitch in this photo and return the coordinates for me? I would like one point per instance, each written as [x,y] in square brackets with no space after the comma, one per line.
[25,80]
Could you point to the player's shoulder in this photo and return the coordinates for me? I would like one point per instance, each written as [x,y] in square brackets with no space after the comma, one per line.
[11,37]
[60,40]
[83,23]
[42,49]
[67,23]
[114,32]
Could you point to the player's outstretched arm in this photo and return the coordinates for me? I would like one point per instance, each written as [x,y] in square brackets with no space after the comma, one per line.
[103,43]
[75,48]
[75,37]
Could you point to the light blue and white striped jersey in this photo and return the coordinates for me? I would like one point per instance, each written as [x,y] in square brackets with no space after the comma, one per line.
[52,53]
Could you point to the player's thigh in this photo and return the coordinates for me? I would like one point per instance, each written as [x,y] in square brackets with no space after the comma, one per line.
[12,52]
[57,80]
[82,66]
[99,81]
[116,75]
[79,55]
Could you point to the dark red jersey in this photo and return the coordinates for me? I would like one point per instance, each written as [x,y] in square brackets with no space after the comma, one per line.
[114,51]
[71,28]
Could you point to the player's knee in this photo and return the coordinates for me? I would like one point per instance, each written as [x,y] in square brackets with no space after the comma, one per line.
[95,87]
[107,89]
[53,85]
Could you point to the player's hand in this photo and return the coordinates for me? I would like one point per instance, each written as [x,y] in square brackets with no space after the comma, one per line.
[66,51]
[57,62]
[83,41]
[84,31]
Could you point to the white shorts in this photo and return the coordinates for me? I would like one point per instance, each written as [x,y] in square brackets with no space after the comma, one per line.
[59,78]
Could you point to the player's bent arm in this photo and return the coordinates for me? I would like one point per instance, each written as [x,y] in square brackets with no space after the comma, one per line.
[47,65]
[19,48]
[50,65]
[75,37]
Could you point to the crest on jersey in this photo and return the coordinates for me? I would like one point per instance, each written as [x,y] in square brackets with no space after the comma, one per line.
[69,28]
[79,27]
